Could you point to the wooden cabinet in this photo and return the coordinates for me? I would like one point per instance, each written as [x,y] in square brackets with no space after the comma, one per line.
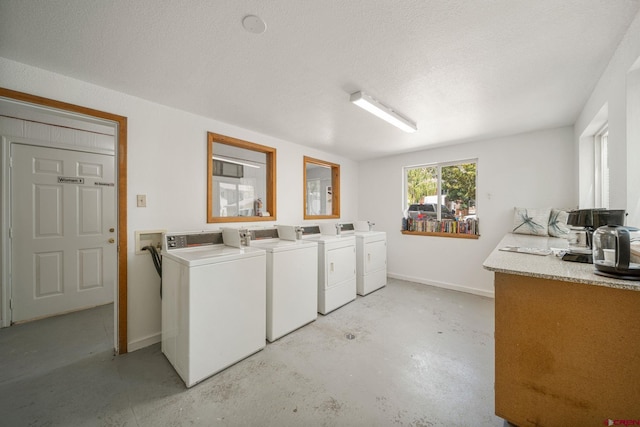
[567,353]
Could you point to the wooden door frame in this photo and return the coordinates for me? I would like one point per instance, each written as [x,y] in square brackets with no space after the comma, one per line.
[121,194]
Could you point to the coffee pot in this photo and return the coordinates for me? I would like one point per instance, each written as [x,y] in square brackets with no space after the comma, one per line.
[616,252]
[582,224]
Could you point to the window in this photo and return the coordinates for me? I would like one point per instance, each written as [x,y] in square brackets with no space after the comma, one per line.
[441,197]
[601,167]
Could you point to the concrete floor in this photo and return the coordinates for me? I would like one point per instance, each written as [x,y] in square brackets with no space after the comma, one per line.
[421,356]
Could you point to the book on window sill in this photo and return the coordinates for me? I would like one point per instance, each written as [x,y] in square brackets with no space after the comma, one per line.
[524,250]
[468,226]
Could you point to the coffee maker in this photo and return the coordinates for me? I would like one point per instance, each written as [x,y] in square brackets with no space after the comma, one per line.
[616,252]
[583,222]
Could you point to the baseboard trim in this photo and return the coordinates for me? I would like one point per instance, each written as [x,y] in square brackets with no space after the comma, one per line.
[450,286]
[156,338]
[144,342]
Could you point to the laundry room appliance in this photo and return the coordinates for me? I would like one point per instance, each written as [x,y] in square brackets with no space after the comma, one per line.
[616,252]
[583,222]
[371,256]
[213,303]
[336,267]
[292,279]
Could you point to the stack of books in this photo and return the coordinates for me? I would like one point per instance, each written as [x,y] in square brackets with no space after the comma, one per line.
[463,226]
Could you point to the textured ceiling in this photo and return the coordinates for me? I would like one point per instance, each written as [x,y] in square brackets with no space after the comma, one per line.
[461,69]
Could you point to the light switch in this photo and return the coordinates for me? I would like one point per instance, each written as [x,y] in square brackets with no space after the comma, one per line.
[141,200]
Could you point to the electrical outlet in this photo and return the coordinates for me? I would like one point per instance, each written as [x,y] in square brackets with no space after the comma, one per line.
[141,200]
[148,238]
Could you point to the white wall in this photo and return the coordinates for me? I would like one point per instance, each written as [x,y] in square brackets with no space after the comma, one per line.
[633,146]
[618,91]
[527,170]
[162,139]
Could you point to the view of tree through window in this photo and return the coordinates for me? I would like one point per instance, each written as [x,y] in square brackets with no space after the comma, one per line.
[445,186]
[459,186]
[421,182]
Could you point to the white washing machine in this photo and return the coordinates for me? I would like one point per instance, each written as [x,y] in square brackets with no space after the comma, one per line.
[213,303]
[336,268]
[371,256]
[292,280]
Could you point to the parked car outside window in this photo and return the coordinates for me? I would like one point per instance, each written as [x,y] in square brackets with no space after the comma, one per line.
[429,209]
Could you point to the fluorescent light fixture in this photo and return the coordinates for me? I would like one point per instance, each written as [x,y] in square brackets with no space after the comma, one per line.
[376,108]
[226,159]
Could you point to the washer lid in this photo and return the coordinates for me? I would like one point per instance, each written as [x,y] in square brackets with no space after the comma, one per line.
[211,254]
[371,235]
[277,245]
[325,238]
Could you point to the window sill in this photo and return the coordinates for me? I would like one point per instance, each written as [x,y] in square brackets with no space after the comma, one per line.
[454,235]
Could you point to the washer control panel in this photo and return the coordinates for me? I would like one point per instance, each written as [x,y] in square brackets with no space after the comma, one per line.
[181,240]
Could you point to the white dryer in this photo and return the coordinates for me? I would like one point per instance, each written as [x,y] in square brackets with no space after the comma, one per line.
[292,280]
[213,303]
[336,268]
[371,256]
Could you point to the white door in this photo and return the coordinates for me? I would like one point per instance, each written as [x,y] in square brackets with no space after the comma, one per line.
[341,265]
[63,231]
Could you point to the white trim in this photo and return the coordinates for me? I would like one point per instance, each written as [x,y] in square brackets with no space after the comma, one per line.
[31,139]
[144,342]
[47,144]
[5,248]
[451,163]
[586,158]
[443,285]
[438,166]
[23,110]
[601,167]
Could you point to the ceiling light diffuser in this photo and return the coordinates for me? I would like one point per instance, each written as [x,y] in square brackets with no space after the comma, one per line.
[226,159]
[376,108]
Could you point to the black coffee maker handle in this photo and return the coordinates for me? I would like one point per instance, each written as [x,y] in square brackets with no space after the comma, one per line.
[623,249]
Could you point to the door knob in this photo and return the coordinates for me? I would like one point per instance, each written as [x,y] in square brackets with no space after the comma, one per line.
[112,240]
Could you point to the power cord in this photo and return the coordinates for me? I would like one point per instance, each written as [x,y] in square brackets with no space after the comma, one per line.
[157,262]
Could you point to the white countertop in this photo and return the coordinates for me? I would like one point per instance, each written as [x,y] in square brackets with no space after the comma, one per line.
[547,267]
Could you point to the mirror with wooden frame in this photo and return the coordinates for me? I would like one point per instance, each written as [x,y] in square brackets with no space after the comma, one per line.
[321,189]
[241,180]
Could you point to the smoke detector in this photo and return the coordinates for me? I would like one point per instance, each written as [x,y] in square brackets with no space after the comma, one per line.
[254,24]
